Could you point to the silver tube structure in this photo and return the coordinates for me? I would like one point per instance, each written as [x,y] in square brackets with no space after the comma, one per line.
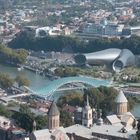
[125,59]
[116,57]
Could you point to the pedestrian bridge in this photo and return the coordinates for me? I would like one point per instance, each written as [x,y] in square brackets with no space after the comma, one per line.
[52,86]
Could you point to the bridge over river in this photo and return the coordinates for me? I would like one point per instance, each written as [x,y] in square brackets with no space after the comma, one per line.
[52,86]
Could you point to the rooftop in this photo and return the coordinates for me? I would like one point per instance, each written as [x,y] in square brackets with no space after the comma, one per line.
[4,122]
[53,109]
[108,130]
[121,98]
[114,120]
[46,133]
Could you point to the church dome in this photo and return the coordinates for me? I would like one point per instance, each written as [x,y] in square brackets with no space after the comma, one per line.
[100,121]
[87,106]
[121,98]
[53,111]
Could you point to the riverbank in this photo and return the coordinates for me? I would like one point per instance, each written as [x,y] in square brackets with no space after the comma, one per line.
[37,81]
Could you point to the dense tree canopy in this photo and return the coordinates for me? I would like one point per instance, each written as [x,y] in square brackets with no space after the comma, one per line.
[74,99]
[41,121]
[14,56]
[4,111]
[65,118]
[99,98]
[22,80]
[65,71]
[5,81]
[102,98]
[24,118]
[27,41]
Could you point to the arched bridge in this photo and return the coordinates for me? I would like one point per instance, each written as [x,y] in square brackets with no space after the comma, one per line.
[52,86]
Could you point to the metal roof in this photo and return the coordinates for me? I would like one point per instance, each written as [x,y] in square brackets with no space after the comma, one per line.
[121,98]
[101,130]
[53,111]
[113,119]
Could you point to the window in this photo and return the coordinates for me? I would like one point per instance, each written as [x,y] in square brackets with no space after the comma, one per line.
[85,116]
[89,116]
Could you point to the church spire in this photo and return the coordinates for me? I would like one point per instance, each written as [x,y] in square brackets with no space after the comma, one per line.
[87,101]
[53,116]
[87,119]
[121,104]
[34,125]
[87,106]
[53,109]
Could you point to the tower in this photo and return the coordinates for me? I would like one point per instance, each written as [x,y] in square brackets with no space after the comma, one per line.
[87,115]
[53,116]
[34,125]
[100,120]
[121,104]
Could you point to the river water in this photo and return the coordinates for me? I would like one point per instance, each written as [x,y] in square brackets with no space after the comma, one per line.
[37,81]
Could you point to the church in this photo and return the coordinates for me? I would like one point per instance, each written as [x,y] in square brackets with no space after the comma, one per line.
[54,131]
[118,126]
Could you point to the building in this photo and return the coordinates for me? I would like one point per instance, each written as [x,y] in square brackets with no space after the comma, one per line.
[86,115]
[52,31]
[46,134]
[78,115]
[120,104]
[114,29]
[93,29]
[116,58]
[53,116]
[118,126]
[54,131]
[87,119]
[102,29]
[98,132]
[9,132]
[113,120]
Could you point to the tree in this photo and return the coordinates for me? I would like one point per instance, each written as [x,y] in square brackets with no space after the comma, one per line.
[12,56]
[65,118]
[109,94]
[131,102]
[95,96]
[5,81]
[22,81]
[4,111]
[24,118]
[41,121]
[59,72]
[74,99]
[27,41]
[20,56]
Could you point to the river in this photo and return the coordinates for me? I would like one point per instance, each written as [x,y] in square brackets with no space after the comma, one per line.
[37,81]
